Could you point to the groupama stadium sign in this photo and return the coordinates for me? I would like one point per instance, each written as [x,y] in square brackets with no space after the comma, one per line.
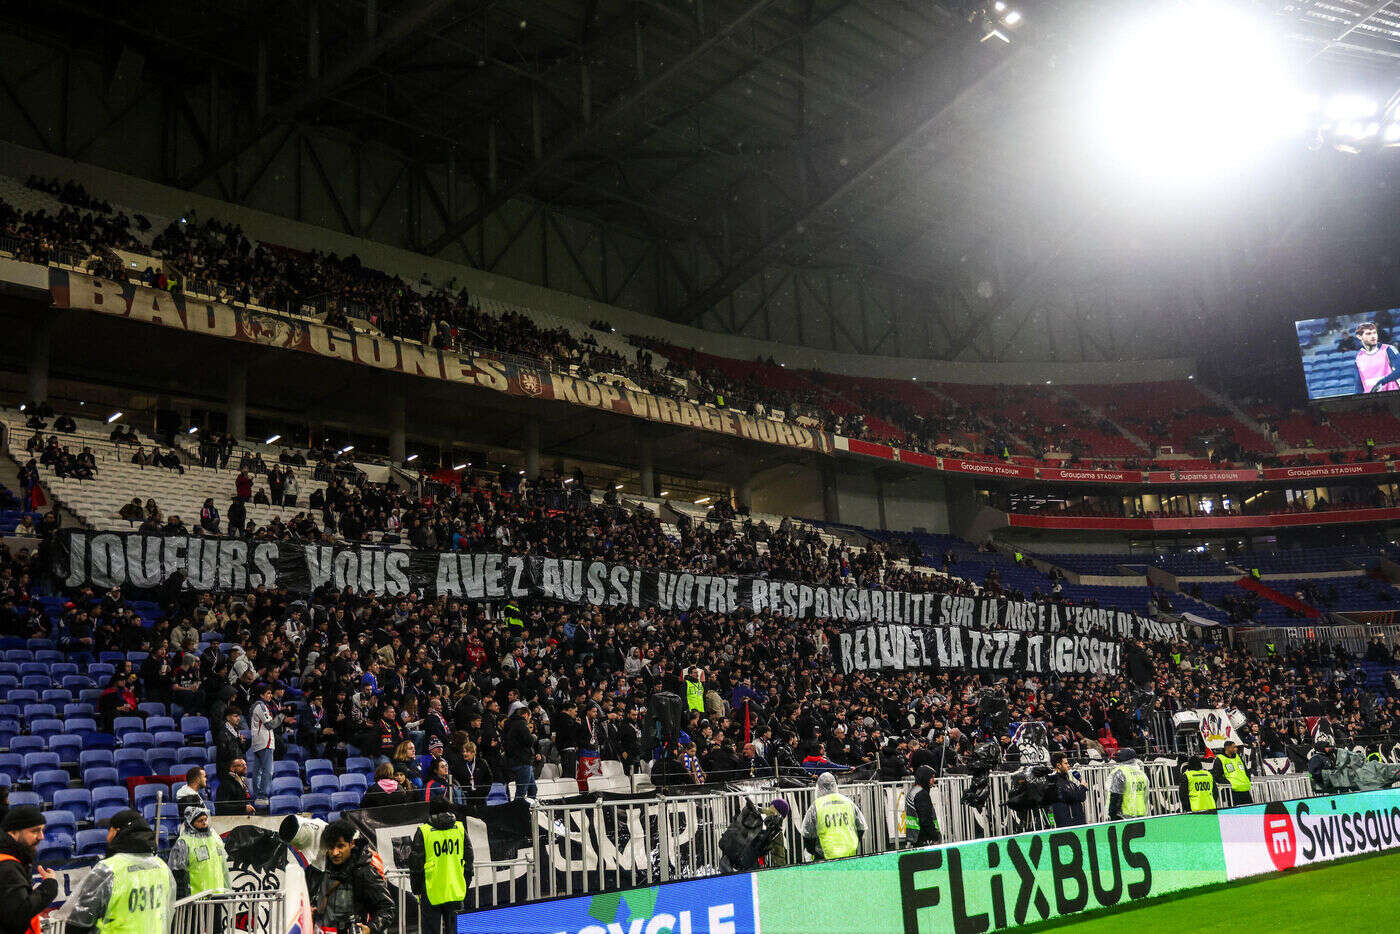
[490,372]
[985,885]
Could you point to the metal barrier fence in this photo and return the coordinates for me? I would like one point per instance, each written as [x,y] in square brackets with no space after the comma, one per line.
[212,913]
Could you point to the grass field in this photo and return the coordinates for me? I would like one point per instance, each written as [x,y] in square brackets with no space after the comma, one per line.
[1352,896]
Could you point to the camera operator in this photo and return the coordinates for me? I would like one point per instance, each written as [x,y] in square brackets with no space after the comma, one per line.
[1068,805]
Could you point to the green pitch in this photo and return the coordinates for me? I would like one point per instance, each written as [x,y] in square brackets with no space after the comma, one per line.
[1356,895]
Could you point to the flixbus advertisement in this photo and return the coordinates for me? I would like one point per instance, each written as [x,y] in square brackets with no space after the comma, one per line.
[1285,834]
[995,884]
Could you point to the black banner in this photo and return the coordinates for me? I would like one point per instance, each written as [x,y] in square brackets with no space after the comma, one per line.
[910,648]
[112,559]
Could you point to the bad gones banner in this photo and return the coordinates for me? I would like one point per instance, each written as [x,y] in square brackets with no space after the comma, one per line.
[905,648]
[111,559]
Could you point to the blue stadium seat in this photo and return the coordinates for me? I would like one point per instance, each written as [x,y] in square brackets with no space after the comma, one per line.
[101,813]
[27,744]
[100,672]
[47,781]
[284,804]
[197,754]
[322,783]
[11,712]
[111,795]
[160,724]
[319,767]
[12,764]
[33,668]
[151,708]
[161,761]
[124,725]
[99,775]
[67,746]
[90,758]
[111,658]
[57,696]
[170,739]
[318,805]
[90,843]
[9,683]
[195,726]
[131,762]
[35,682]
[56,850]
[361,764]
[137,740]
[23,697]
[76,801]
[46,727]
[62,669]
[77,725]
[286,785]
[345,801]
[284,768]
[354,782]
[100,741]
[39,761]
[30,798]
[147,794]
[77,683]
[60,821]
[40,711]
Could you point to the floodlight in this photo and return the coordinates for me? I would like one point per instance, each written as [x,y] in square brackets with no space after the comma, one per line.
[410,458]
[273,439]
[460,467]
[345,450]
[113,417]
[1012,18]
[1193,88]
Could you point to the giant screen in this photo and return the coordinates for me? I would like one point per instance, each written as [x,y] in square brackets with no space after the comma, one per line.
[1351,355]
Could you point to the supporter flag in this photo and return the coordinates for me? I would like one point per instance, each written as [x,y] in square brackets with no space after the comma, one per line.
[590,765]
[1321,731]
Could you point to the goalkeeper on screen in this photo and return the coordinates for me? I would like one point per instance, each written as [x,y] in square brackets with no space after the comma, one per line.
[1377,364]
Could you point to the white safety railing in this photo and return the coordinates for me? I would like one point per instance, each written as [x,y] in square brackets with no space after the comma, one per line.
[210,913]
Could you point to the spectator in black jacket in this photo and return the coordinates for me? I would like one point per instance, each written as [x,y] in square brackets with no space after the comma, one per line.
[228,745]
[20,835]
[518,747]
[232,798]
[469,770]
[353,896]
[385,790]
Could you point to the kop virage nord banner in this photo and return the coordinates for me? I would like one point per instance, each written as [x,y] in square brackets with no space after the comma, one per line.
[111,559]
[904,648]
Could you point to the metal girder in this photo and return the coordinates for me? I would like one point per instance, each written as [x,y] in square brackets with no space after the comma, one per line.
[401,27]
[1362,20]
[976,63]
[588,133]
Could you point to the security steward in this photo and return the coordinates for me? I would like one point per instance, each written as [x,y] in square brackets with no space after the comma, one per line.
[695,690]
[514,618]
[21,832]
[1127,786]
[439,868]
[1197,788]
[131,891]
[833,827]
[1230,770]
[920,820]
[198,859]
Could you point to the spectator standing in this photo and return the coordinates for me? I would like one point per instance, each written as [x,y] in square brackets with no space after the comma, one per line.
[264,720]
[518,745]
[21,832]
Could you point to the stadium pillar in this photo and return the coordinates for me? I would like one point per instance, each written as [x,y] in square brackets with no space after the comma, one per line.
[646,452]
[398,434]
[532,449]
[831,505]
[238,399]
[880,499]
[40,343]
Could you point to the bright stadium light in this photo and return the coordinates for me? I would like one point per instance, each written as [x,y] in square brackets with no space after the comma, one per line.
[345,450]
[702,501]
[460,467]
[193,429]
[410,458]
[273,439]
[1012,18]
[1351,107]
[113,417]
[617,486]
[1193,88]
